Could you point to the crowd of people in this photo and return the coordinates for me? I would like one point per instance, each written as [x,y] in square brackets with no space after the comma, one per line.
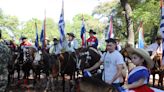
[112,60]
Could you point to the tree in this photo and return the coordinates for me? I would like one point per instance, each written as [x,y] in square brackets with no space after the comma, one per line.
[128,13]
[90,23]
[147,11]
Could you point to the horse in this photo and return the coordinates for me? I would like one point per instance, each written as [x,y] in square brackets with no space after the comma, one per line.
[88,57]
[28,58]
[90,84]
[24,61]
[11,66]
[68,62]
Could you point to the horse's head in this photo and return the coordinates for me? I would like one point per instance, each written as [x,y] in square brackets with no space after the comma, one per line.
[38,56]
[88,57]
[29,54]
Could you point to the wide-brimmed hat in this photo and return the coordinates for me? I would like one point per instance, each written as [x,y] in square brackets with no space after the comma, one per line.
[71,34]
[143,53]
[22,38]
[55,39]
[159,37]
[91,31]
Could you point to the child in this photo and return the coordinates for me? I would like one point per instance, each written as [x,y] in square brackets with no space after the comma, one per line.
[139,76]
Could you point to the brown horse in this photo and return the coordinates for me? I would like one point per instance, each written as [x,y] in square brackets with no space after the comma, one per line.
[89,84]
[88,57]
[68,62]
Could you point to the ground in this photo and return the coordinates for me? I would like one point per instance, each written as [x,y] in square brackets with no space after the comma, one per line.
[40,86]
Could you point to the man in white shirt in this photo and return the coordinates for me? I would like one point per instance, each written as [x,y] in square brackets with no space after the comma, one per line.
[72,43]
[156,47]
[113,64]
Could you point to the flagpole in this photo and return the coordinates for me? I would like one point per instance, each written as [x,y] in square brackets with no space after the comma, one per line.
[44,44]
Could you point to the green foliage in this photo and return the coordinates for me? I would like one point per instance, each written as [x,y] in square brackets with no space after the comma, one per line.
[90,23]
[147,11]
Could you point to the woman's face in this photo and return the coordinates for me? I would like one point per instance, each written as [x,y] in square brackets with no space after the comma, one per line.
[137,60]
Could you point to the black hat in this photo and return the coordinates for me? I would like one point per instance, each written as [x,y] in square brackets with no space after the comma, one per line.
[55,39]
[159,37]
[110,40]
[91,31]
[71,34]
[23,38]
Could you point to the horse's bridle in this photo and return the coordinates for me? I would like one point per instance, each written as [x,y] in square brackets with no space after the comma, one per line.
[81,55]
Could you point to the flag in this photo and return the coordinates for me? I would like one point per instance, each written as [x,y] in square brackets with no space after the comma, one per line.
[83,35]
[140,36]
[61,25]
[110,29]
[37,37]
[43,33]
[162,29]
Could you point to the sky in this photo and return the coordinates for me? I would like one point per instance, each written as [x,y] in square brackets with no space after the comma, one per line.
[28,9]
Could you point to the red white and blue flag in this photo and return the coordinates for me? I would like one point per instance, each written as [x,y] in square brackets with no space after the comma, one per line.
[140,36]
[43,33]
[83,34]
[110,29]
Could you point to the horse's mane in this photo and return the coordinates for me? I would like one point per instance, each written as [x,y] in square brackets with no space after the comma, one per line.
[94,81]
[90,84]
[93,49]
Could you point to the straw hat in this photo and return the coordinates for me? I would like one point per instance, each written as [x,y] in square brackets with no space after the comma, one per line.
[143,54]
[159,37]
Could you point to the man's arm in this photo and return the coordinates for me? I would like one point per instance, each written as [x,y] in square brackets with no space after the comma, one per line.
[118,74]
[95,66]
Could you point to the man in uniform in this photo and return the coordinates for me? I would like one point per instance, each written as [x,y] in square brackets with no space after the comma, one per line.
[5,57]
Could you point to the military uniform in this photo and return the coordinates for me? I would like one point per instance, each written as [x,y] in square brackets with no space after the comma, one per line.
[5,57]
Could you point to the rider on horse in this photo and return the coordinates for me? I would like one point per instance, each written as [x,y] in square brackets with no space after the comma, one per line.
[92,41]
[155,48]
[72,43]
[56,47]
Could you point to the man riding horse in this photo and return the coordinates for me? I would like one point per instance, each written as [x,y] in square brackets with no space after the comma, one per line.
[155,50]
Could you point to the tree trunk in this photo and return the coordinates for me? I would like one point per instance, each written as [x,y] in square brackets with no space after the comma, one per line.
[128,12]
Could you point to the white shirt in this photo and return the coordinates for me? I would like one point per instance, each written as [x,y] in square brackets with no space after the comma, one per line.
[73,45]
[111,60]
[155,48]
[55,49]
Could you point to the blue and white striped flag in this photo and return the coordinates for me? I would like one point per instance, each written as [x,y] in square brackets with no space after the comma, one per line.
[61,25]
[162,29]
[42,36]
